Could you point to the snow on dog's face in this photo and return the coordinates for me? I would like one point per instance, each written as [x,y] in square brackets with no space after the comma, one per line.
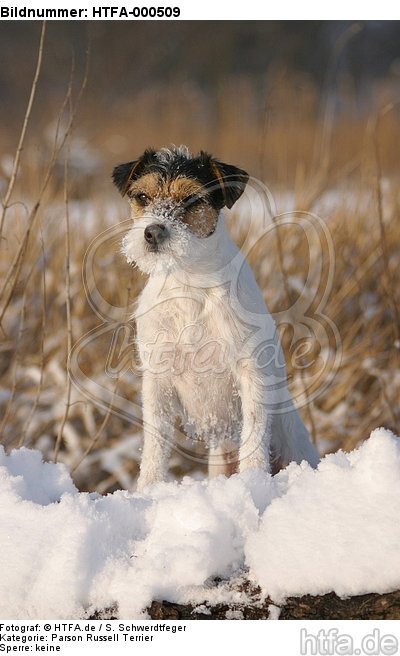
[175,201]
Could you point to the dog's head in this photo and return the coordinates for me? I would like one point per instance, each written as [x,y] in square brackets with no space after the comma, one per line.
[175,200]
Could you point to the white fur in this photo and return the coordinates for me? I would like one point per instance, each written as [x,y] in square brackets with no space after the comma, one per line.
[210,355]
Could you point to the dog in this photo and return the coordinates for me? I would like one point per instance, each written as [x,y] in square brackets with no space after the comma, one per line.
[209,348]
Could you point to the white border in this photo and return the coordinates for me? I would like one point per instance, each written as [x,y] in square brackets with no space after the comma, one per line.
[219,637]
[223,9]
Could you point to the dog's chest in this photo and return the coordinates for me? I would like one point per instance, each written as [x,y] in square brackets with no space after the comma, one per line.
[188,341]
[193,330]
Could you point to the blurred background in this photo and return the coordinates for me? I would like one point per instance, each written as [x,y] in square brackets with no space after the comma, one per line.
[311,109]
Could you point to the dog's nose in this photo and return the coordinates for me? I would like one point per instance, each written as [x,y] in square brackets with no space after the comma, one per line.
[155,233]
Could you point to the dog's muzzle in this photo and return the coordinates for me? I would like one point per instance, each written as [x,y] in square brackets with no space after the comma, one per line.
[155,234]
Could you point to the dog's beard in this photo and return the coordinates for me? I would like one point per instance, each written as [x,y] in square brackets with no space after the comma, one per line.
[174,253]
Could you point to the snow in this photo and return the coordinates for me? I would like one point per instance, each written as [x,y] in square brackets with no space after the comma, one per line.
[336,529]
[64,554]
[274,612]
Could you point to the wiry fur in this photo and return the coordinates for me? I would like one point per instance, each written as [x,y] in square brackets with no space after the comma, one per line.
[201,298]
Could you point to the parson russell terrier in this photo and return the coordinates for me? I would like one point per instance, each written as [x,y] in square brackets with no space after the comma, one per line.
[209,348]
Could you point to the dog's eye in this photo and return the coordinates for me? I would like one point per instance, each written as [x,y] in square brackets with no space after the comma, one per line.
[193,201]
[142,199]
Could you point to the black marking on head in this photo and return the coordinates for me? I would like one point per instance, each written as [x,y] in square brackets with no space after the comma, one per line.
[224,183]
[124,174]
[231,181]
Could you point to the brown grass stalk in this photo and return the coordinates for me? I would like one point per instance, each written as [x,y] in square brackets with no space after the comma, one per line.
[42,340]
[67,305]
[14,271]
[25,123]
[17,359]
[386,271]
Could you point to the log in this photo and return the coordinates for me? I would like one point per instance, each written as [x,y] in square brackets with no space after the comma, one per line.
[370,606]
[320,607]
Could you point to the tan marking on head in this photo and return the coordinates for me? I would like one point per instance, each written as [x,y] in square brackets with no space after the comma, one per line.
[218,176]
[150,184]
[182,187]
[178,189]
[201,218]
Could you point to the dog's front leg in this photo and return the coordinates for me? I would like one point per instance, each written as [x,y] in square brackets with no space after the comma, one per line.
[158,418]
[255,437]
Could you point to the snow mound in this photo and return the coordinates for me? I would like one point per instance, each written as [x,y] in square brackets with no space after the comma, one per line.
[64,554]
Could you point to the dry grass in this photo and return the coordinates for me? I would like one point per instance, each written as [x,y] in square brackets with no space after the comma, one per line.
[58,198]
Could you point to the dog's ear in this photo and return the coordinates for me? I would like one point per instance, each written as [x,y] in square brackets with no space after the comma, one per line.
[231,180]
[124,174]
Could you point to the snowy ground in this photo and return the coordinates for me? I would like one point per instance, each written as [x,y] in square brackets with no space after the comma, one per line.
[64,554]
